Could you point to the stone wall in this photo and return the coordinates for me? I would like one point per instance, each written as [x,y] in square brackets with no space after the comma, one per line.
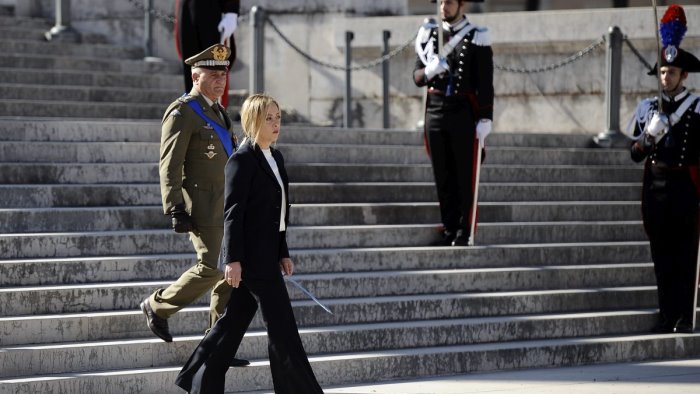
[569,99]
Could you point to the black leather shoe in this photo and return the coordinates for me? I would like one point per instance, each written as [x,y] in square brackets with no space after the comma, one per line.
[462,238]
[446,239]
[237,362]
[683,326]
[157,324]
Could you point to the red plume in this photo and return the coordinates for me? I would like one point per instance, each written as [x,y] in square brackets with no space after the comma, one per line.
[674,12]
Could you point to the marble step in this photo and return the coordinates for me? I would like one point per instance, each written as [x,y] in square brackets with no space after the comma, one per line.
[144,152]
[87,78]
[101,173]
[88,94]
[68,244]
[77,108]
[107,218]
[43,61]
[149,131]
[91,297]
[373,366]
[92,324]
[139,267]
[13,46]
[40,359]
[66,195]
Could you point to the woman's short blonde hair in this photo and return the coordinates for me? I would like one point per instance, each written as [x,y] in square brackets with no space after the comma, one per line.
[253,113]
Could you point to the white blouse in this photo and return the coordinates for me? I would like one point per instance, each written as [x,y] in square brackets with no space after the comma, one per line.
[283,208]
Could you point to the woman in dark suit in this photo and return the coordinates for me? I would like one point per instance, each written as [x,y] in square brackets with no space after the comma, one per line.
[253,252]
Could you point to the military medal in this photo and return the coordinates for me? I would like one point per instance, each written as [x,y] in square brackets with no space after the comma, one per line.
[211,147]
[210,154]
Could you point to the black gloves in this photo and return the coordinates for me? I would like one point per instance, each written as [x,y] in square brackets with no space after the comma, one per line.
[182,222]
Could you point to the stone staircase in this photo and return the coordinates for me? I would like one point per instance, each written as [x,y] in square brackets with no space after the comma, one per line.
[90,79]
[561,274]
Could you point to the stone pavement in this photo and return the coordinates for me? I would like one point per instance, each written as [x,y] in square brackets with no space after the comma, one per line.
[679,376]
[682,376]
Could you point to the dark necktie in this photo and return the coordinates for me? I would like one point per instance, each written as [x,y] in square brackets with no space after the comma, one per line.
[217,111]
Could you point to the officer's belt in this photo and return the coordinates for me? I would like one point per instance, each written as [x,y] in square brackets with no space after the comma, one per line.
[439,92]
[221,131]
[661,166]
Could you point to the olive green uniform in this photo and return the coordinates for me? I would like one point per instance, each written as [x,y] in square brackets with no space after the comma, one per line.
[192,161]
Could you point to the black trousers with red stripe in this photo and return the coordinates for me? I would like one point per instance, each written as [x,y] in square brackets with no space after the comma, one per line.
[450,132]
[670,213]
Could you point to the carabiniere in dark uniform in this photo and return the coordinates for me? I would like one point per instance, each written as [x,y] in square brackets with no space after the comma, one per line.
[669,140]
[456,101]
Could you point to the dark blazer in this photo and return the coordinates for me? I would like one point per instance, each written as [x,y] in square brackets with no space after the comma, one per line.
[252,202]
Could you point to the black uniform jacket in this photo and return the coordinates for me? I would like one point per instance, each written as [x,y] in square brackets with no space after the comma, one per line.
[471,69]
[252,213]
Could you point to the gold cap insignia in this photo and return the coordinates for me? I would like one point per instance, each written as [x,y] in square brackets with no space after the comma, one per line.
[220,52]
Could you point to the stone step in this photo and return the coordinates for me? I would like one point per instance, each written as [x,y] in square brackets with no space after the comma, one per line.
[45,196]
[27,300]
[309,153]
[373,366]
[87,93]
[8,45]
[119,267]
[77,108]
[28,245]
[139,152]
[148,352]
[55,195]
[9,22]
[335,135]
[88,78]
[105,218]
[490,173]
[91,325]
[98,173]
[47,62]
[149,131]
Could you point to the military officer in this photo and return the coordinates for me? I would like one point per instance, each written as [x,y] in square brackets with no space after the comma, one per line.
[459,108]
[196,141]
[669,140]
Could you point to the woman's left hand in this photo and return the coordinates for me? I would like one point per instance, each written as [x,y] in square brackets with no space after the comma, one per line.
[287,266]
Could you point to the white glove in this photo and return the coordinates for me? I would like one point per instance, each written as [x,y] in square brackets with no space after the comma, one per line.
[228,24]
[483,128]
[657,126]
[436,66]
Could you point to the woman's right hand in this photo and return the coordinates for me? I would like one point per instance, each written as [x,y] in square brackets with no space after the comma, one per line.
[232,273]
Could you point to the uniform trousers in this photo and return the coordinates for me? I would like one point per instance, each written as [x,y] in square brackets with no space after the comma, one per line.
[451,132]
[197,280]
[205,371]
[670,213]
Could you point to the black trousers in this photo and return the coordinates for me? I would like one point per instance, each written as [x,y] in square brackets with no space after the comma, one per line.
[205,371]
[450,129]
[670,213]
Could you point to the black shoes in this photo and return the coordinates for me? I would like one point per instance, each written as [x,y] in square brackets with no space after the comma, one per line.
[683,326]
[446,239]
[462,238]
[664,326]
[157,324]
[236,362]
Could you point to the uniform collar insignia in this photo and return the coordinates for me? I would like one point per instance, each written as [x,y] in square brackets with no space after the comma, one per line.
[680,96]
[457,26]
